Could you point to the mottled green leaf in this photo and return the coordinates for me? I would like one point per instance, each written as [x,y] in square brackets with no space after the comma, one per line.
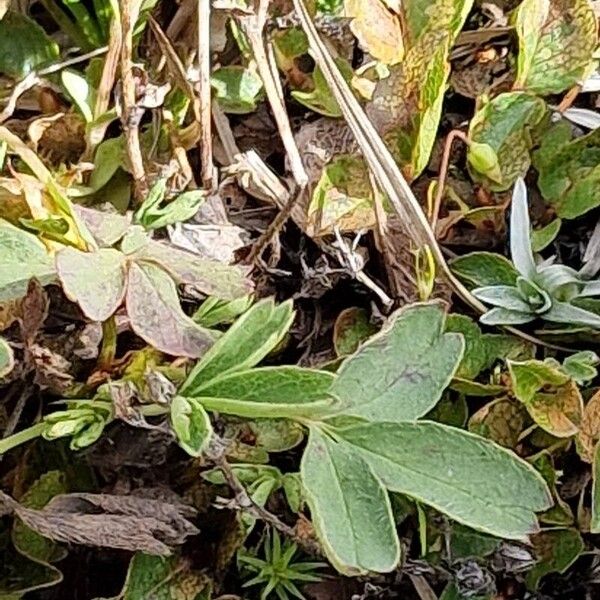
[472,480]
[556,550]
[254,335]
[342,198]
[407,105]
[211,277]
[7,359]
[552,399]
[191,425]
[485,268]
[156,316]
[95,280]
[269,392]
[400,373]
[557,39]
[22,256]
[24,45]
[237,89]
[581,366]
[350,508]
[504,124]
[543,237]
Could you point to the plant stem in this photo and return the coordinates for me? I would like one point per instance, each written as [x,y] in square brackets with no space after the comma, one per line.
[109,343]
[25,435]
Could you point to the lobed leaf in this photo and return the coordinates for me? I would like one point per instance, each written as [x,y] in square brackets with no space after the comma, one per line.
[400,373]
[94,280]
[472,480]
[156,316]
[350,507]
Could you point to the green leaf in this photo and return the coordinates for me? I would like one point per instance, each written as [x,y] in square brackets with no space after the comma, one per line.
[484,160]
[95,280]
[556,550]
[156,316]
[211,277]
[237,89]
[254,335]
[269,392]
[191,425]
[214,311]
[557,39]
[485,268]
[400,373]
[80,91]
[24,45]
[350,508]
[569,171]
[520,233]
[543,237]
[352,327]
[152,216]
[110,156]
[27,541]
[320,99]
[581,366]
[472,480]
[503,124]
[467,543]
[22,256]
[161,578]
[7,358]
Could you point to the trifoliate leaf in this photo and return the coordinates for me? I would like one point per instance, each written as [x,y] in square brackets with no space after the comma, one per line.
[341,490]
[24,45]
[22,256]
[557,39]
[400,373]
[470,479]
[156,316]
[94,280]
[254,335]
[191,425]
[503,124]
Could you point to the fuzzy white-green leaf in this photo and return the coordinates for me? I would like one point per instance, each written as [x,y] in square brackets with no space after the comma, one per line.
[400,373]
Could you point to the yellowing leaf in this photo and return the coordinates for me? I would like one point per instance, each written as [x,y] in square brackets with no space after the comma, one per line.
[552,399]
[557,40]
[589,432]
[377,29]
[343,198]
[503,124]
[407,106]
[501,420]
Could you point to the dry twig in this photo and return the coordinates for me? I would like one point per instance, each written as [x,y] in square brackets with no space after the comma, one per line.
[204,93]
